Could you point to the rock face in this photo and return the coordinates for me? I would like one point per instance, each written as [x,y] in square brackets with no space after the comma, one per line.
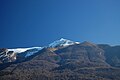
[7,56]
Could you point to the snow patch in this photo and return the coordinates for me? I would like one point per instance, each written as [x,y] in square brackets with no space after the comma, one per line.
[20,50]
[62,42]
[29,53]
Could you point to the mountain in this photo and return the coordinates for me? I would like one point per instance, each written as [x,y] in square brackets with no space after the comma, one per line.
[85,54]
[112,54]
[61,60]
[11,55]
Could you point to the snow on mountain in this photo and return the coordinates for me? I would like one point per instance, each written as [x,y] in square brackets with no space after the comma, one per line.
[62,42]
[11,55]
[20,50]
[27,51]
[32,51]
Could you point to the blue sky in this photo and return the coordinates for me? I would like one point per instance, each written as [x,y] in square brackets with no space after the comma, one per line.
[25,23]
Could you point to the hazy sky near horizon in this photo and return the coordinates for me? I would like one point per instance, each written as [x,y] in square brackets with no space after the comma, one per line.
[25,23]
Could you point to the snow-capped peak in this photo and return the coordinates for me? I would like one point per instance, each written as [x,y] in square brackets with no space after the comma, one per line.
[62,42]
[10,55]
[62,39]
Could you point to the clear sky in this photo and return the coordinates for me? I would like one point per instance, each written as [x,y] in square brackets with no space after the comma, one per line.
[25,23]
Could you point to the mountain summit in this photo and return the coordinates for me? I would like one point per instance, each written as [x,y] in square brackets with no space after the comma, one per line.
[62,42]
